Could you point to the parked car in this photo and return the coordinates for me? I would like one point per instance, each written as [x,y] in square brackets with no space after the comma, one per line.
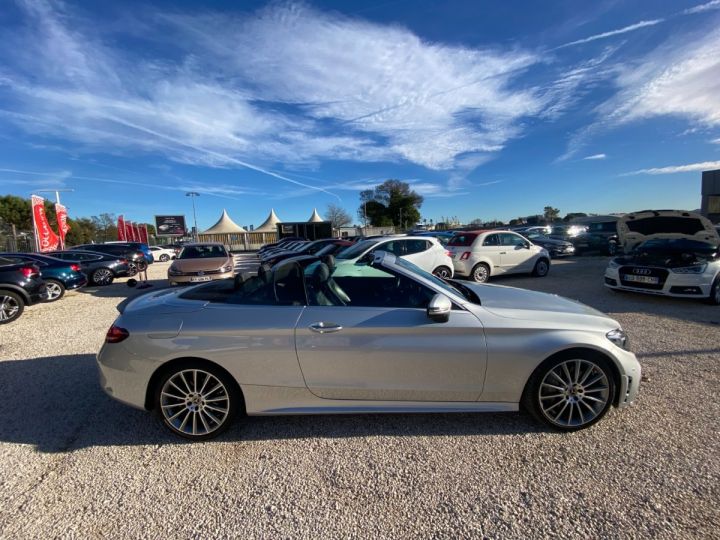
[554,246]
[671,253]
[310,248]
[599,235]
[425,252]
[201,262]
[282,248]
[298,340]
[442,236]
[481,255]
[100,268]
[163,253]
[139,246]
[58,275]
[281,242]
[20,286]
[136,258]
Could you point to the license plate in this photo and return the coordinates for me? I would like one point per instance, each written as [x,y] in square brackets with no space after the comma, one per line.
[643,279]
[202,278]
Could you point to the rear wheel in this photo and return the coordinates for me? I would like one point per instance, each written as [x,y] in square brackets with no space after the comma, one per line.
[714,298]
[542,267]
[55,290]
[132,269]
[164,258]
[11,306]
[570,392]
[197,401]
[442,272]
[480,273]
[102,276]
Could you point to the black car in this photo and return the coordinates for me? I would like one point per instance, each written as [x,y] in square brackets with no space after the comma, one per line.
[280,243]
[555,247]
[598,236]
[59,276]
[100,268]
[327,246]
[20,286]
[136,258]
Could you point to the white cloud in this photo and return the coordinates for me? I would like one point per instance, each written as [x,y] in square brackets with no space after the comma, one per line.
[673,169]
[611,33]
[713,4]
[715,141]
[288,85]
[596,156]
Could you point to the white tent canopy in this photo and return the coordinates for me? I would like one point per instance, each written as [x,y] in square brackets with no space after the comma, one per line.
[315,218]
[270,224]
[224,225]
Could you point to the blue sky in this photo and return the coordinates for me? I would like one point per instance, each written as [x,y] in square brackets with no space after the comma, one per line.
[490,109]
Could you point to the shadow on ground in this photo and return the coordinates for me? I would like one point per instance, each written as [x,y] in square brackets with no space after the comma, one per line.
[58,406]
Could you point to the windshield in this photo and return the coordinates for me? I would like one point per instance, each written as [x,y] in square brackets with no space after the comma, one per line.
[462,239]
[353,252]
[676,244]
[203,252]
[451,287]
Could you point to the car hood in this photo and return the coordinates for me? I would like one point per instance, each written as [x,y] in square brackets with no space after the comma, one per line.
[550,242]
[196,265]
[513,303]
[637,227]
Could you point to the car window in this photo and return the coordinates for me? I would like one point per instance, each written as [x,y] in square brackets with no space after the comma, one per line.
[415,246]
[354,251]
[202,252]
[363,286]
[462,239]
[512,240]
[491,240]
[395,247]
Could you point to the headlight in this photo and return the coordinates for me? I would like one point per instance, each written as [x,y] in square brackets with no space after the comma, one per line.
[226,268]
[619,338]
[613,264]
[173,272]
[697,269]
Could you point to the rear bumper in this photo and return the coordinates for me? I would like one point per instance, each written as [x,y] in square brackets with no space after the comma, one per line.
[75,282]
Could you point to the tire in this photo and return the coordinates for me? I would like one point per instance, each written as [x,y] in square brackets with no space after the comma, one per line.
[11,306]
[714,298]
[102,276]
[443,272]
[542,267]
[132,269]
[164,258]
[568,383]
[188,408]
[55,290]
[480,273]
[612,248]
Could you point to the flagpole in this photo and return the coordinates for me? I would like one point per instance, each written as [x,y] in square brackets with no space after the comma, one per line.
[57,201]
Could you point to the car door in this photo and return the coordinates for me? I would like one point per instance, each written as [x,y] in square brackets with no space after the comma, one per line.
[515,255]
[491,249]
[377,343]
[417,252]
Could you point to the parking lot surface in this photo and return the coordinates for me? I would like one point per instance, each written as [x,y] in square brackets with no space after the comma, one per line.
[73,462]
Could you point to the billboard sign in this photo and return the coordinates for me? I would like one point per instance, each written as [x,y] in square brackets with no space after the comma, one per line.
[170,225]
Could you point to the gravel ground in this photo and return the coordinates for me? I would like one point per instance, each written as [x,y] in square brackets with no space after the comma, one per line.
[74,463]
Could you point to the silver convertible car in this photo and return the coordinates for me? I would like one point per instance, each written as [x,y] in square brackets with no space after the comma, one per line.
[312,336]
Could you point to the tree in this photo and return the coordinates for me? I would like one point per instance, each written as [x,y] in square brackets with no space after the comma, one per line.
[477,222]
[337,216]
[550,214]
[16,211]
[391,203]
[105,227]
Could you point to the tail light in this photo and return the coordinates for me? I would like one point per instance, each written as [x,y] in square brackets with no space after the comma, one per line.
[123,261]
[139,255]
[29,271]
[465,256]
[75,267]
[116,334]
[448,253]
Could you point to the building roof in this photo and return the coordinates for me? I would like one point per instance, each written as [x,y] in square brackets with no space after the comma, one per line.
[224,225]
[315,218]
[270,224]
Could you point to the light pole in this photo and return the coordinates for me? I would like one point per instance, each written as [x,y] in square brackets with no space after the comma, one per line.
[192,195]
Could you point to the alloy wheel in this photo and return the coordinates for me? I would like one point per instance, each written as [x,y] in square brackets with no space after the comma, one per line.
[102,276]
[54,291]
[164,258]
[574,393]
[442,272]
[194,402]
[480,273]
[9,308]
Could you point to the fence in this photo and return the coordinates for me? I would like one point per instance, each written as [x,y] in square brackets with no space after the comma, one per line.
[248,241]
[16,242]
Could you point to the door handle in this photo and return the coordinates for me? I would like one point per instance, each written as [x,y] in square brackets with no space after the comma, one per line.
[325,328]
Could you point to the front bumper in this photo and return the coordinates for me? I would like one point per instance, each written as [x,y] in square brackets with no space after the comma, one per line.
[195,279]
[670,283]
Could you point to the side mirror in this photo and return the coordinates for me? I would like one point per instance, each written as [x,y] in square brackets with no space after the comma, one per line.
[439,308]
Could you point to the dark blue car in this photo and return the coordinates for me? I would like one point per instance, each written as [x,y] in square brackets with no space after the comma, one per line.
[58,275]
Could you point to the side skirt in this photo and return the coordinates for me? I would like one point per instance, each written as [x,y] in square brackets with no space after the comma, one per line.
[280,400]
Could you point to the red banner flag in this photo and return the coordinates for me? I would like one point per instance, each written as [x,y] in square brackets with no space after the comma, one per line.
[121,229]
[143,233]
[63,227]
[128,231]
[136,232]
[46,238]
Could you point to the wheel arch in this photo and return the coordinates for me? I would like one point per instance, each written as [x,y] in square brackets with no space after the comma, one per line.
[571,353]
[9,287]
[158,374]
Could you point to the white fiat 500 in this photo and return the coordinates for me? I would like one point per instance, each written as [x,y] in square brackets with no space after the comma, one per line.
[481,255]
[668,252]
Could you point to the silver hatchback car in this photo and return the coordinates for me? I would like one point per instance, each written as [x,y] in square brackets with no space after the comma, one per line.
[312,336]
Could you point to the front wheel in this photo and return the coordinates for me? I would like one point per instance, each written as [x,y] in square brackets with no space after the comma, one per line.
[11,306]
[569,392]
[164,258]
[443,272]
[481,273]
[714,298]
[55,290]
[102,276]
[196,401]
[132,269]
[542,267]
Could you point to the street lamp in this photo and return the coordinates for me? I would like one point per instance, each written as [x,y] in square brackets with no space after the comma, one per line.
[192,195]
